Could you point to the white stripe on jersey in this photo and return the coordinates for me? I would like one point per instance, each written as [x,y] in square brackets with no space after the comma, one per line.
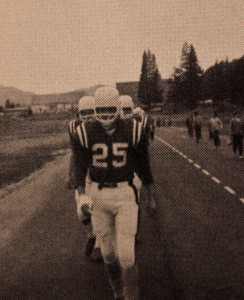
[137,130]
[72,128]
[85,135]
[134,132]
[144,122]
[80,136]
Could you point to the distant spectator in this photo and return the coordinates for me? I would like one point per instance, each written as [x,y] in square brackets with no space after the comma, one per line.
[158,122]
[189,125]
[152,129]
[197,124]
[237,133]
[215,125]
[169,122]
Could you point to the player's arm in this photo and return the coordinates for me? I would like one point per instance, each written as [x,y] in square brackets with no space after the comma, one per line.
[143,170]
[78,165]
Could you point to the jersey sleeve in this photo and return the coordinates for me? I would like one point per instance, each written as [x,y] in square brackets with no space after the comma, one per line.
[142,161]
[79,160]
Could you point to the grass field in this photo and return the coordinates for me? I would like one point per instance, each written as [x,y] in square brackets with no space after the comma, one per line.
[27,144]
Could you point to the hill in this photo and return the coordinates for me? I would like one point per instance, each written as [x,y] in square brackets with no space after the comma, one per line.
[14,95]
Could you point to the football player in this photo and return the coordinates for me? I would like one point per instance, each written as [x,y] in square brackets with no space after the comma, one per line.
[147,122]
[126,111]
[126,106]
[112,148]
[86,110]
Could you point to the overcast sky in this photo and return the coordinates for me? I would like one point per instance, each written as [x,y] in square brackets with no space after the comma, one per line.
[49,46]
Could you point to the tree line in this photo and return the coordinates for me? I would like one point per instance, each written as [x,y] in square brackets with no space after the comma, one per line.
[189,84]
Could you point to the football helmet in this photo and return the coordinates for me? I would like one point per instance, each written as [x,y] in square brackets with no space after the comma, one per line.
[126,106]
[138,111]
[86,108]
[106,104]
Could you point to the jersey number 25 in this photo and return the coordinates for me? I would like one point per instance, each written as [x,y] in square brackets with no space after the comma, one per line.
[119,150]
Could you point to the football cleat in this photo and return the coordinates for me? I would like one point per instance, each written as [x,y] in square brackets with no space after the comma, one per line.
[126,106]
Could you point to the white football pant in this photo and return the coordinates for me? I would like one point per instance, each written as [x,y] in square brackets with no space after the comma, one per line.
[115,218]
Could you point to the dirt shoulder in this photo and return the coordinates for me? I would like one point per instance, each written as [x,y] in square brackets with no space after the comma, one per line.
[19,201]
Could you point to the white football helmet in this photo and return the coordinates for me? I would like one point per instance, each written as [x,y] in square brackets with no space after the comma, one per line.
[106,104]
[86,108]
[138,111]
[126,106]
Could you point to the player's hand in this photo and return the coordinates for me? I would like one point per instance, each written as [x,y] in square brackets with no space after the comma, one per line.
[150,207]
[70,183]
[150,203]
[83,207]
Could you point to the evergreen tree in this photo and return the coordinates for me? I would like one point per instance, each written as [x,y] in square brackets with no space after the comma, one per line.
[149,91]
[142,86]
[186,86]
[224,82]
[9,104]
[192,84]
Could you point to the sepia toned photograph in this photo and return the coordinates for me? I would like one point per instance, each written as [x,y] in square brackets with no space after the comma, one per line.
[121,149]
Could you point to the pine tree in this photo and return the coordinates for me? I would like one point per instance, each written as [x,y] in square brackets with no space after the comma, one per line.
[192,82]
[149,91]
[142,86]
[186,86]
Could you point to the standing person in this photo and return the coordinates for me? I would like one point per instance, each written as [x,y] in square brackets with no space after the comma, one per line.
[113,148]
[189,125]
[215,125]
[237,133]
[197,124]
[152,128]
[158,122]
[86,110]
[126,106]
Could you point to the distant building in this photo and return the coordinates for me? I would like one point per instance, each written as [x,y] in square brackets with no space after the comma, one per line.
[21,111]
[39,109]
[56,102]
[131,89]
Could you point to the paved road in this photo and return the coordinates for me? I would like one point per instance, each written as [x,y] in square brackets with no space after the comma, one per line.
[201,218]
[191,250]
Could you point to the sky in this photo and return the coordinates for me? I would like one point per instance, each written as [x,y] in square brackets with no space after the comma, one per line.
[54,46]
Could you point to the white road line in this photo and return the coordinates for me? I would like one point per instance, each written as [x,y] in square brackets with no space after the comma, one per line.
[216,180]
[227,188]
[197,166]
[205,172]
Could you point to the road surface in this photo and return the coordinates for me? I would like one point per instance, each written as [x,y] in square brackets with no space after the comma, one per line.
[192,249]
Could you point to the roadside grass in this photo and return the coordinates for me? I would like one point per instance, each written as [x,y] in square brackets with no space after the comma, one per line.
[27,144]
[14,167]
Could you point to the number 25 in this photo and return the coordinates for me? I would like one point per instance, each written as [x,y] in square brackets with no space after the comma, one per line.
[118,149]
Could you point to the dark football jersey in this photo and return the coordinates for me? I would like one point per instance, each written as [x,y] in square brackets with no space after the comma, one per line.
[77,174]
[73,128]
[145,122]
[113,158]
